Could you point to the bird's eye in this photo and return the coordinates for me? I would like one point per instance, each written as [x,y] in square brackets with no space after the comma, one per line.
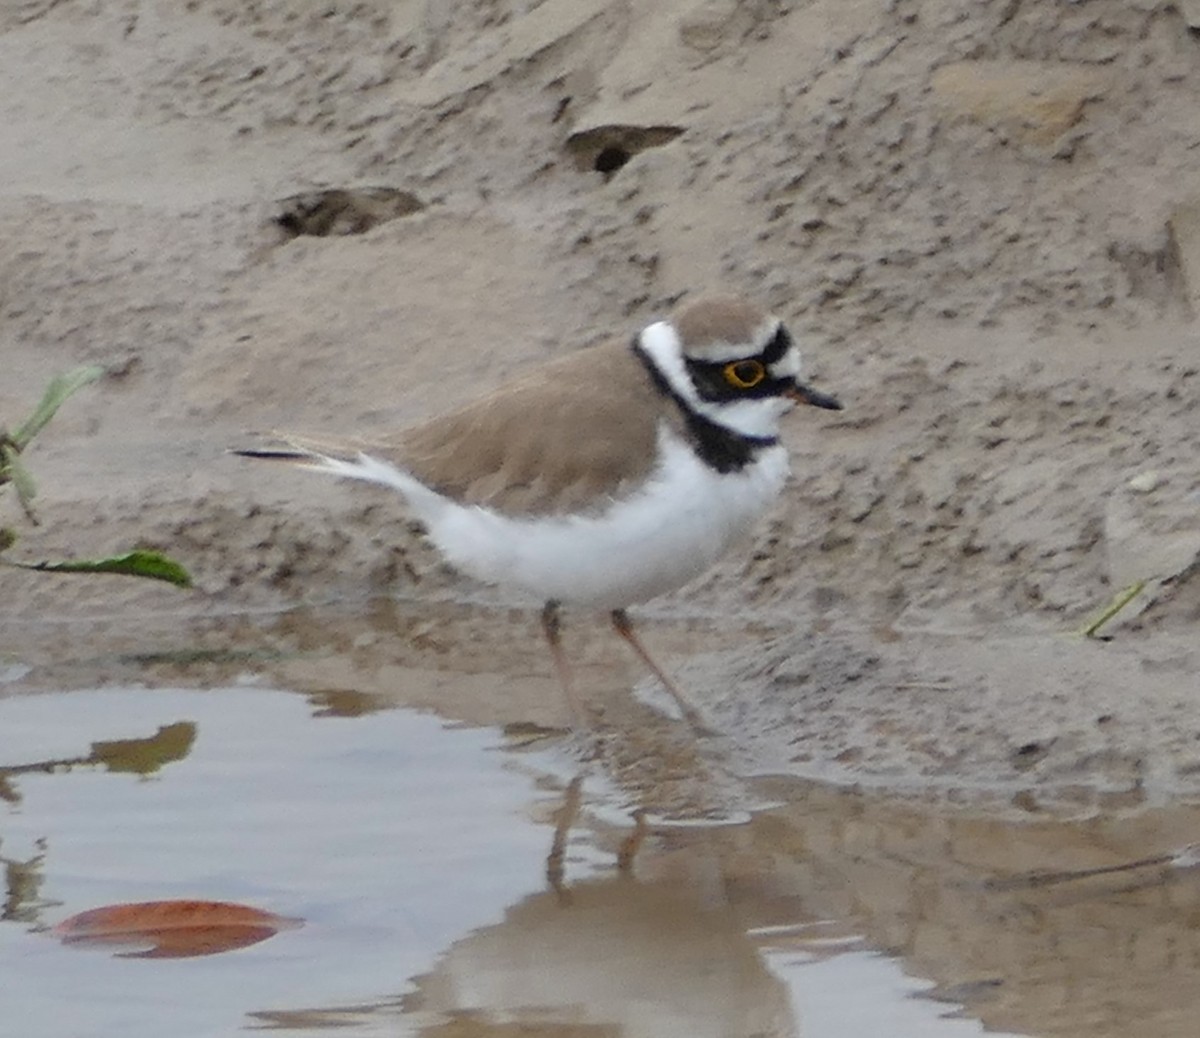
[745,374]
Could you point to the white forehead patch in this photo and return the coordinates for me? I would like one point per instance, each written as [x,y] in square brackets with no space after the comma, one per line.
[789,365]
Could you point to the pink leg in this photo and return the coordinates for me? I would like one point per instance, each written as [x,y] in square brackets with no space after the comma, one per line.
[551,625]
[624,627]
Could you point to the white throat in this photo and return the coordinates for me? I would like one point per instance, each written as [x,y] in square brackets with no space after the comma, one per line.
[758,417]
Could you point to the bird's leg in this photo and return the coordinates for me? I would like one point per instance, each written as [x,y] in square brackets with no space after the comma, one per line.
[551,625]
[624,627]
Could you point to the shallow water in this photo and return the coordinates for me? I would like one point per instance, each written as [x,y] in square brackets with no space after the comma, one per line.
[415,850]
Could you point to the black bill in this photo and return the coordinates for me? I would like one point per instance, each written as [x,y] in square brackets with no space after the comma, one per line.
[807,395]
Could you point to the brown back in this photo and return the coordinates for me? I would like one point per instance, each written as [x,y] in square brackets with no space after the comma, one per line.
[569,436]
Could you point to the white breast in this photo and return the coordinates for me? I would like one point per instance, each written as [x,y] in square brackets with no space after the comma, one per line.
[654,541]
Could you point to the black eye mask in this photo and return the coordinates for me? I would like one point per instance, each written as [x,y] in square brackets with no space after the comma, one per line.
[712,384]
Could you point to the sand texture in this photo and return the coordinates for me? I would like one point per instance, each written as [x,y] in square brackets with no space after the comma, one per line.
[982,220]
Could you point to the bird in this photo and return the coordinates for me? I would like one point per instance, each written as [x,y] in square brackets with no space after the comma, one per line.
[603,478]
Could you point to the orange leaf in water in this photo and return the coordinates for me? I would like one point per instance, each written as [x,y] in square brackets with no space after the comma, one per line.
[173,929]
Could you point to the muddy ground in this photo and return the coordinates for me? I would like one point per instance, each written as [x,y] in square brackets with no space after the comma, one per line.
[982,220]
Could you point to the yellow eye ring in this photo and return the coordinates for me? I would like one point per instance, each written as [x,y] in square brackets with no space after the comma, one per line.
[744,374]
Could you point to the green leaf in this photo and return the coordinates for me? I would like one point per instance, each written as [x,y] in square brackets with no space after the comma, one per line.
[12,468]
[150,564]
[7,453]
[8,538]
[61,387]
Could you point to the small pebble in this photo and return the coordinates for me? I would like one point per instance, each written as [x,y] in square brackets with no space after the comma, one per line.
[1144,482]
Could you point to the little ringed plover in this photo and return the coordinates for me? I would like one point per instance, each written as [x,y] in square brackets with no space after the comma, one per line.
[606,477]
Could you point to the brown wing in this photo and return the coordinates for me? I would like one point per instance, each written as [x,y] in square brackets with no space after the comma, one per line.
[571,435]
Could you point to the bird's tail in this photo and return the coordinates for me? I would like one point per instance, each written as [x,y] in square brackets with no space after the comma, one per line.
[272,454]
[336,459]
[350,460]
